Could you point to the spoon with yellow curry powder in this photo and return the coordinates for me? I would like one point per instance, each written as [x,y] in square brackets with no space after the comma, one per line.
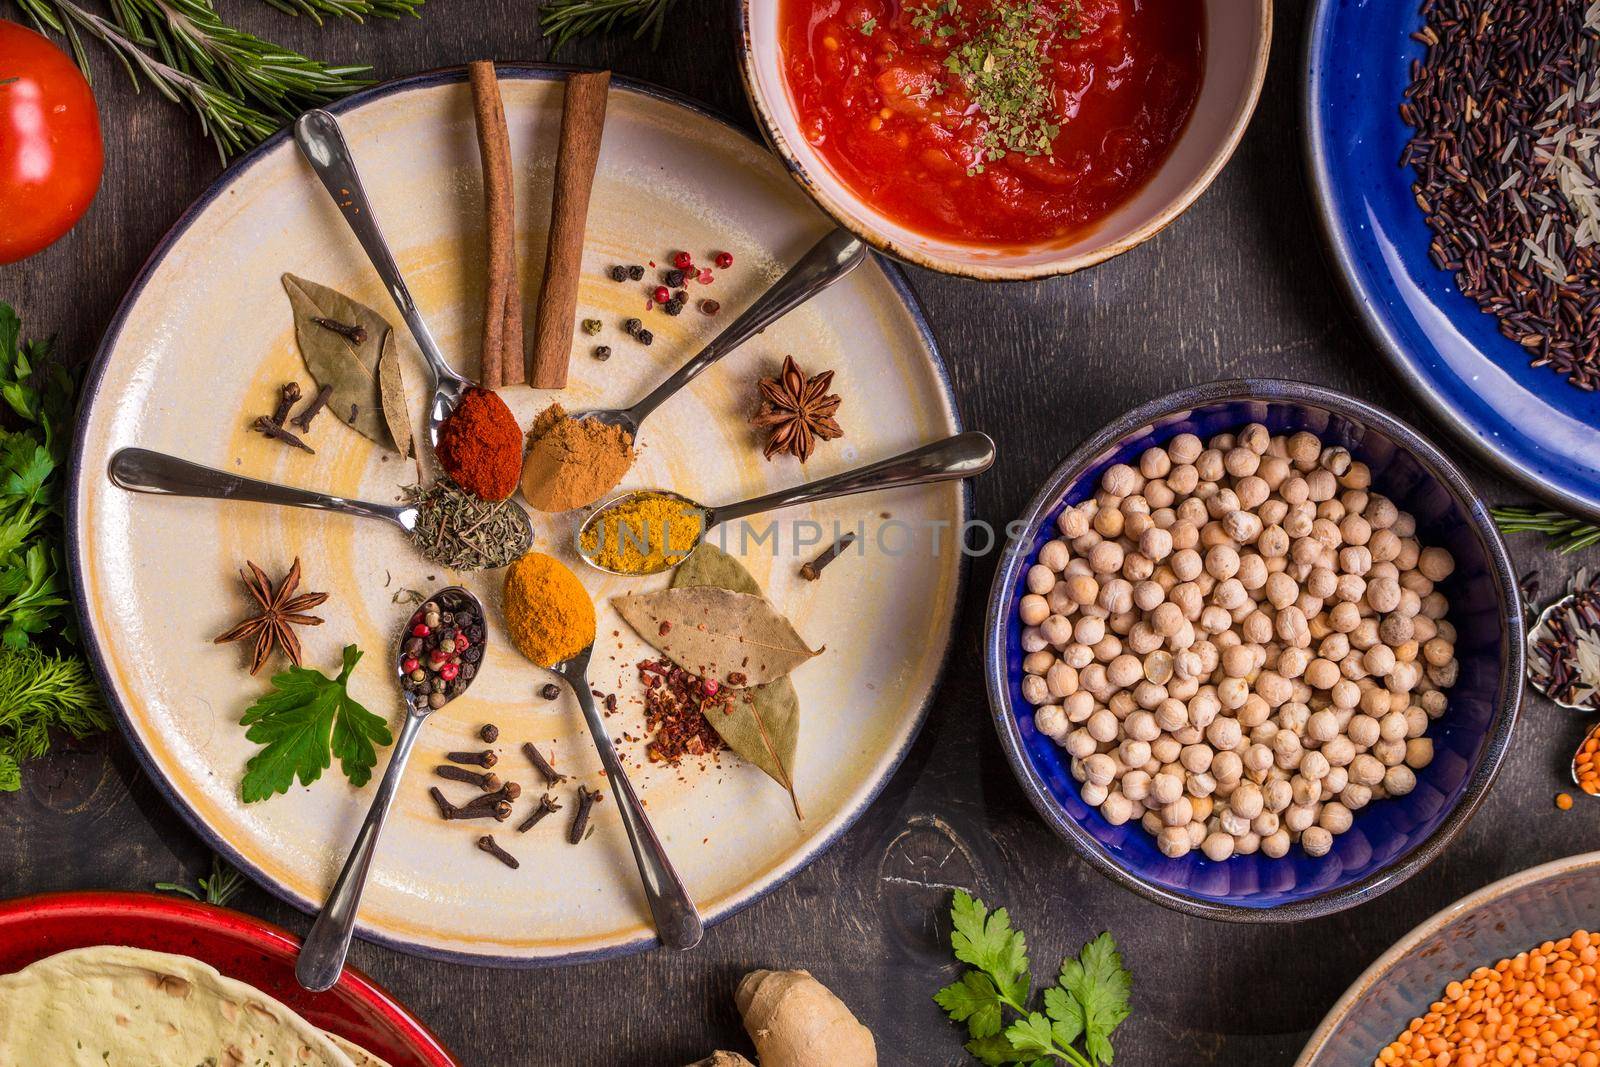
[452,615]
[647,531]
[550,618]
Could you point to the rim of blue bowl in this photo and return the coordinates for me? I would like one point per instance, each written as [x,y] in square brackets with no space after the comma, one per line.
[1001,609]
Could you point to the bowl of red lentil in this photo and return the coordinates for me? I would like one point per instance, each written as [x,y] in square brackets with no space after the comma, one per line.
[1505,975]
[1255,651]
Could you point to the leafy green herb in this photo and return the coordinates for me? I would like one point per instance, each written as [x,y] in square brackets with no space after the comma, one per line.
[44,692]
[242,88]
[219,888]
[1563,531]
[47,686]
[306,720]
[1088,1002]
[868,25]
[566,20]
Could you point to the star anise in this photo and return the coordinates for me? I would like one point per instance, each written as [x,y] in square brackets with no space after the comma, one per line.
[798,410]
[281,612]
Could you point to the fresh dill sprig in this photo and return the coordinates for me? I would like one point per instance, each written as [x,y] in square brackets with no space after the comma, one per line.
[354,10]
[222,886]
[566,20]
[44,693]
[241,88]
[1563,532]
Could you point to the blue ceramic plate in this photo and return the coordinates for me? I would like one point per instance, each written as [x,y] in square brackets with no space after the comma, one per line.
[1391,839]
[1525,422]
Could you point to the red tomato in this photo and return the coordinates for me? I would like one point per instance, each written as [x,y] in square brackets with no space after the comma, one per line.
[50,150]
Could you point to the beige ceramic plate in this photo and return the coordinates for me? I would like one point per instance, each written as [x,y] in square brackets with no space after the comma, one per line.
[199,349]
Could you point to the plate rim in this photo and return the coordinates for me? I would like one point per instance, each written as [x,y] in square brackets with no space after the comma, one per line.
[89,392]
[1359,299]
[257,932]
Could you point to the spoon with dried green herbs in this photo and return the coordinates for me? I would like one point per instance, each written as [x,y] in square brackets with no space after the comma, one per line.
[323,145]
[449,527]
[430,676]
[647,531]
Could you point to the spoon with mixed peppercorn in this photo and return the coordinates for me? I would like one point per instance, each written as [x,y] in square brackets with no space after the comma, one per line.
[322,144]
[829,260]
[646,531]
[441,648]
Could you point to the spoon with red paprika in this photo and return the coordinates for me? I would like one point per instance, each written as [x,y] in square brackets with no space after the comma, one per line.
[322,144]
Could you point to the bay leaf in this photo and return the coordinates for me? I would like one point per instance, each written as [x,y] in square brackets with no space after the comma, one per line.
[762,724]
[736,638]
[334,360]
[710,565]
[392,394]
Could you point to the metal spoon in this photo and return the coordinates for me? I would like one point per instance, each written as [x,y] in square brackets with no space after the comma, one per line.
[677,921]
[323,954]
[140,470]
[960,456]
[830,259]
[322,143]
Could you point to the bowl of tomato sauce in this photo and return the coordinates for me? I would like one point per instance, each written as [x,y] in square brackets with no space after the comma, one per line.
[1005,139]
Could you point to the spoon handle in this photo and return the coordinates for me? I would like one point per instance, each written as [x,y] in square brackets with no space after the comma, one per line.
[323,145]
[140,470]
[326,946]
[960,456]
[677,922]
[830,259]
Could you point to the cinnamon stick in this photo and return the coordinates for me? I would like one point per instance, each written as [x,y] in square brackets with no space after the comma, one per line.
[582,123]
[502,304]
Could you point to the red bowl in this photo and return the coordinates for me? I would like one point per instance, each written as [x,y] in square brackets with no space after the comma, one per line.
[239,946]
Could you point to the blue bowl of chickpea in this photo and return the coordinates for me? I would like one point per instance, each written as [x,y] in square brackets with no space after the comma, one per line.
[1257,651]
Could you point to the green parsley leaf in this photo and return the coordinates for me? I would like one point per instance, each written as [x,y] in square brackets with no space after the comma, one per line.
[975,1001]
[867,26]
[306,720]
[988,943]
[1100,985]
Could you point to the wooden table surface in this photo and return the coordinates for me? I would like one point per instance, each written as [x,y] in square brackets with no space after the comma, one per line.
[1237,287]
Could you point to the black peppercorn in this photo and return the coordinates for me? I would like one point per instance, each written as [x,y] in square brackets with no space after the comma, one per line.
[635,272]
[632,327]
[673,307]
[644,337]
[550,691]
[602,352]
[681,296]
[673,278]
[619,274]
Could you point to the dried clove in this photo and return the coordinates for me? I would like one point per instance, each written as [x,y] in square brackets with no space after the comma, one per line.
[489,732]
[309,412]
[356,334]
[288,397]
[543,766]
[489,845]
[496,805]
[268,428]
[587,799]
[547,804]
[813,570]
[486,781]
[486,758]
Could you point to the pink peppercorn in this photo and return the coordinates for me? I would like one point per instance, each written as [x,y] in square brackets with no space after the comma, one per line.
[724,260]
[420,630]
[662,294]
[682,260]
[449,671]
[705,276]
[408,664]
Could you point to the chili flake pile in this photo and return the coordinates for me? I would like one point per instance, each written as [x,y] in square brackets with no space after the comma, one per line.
[675,707]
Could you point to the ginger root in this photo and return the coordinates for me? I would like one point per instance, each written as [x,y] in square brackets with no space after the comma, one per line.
[796,1021]
[723,1059]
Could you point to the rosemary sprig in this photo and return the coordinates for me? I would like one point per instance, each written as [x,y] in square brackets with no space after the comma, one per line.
[241,88]
[355,10]
[1563,532]
[566,20]
[222,886]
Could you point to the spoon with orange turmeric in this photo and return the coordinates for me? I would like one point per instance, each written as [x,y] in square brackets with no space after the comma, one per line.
[551,620]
